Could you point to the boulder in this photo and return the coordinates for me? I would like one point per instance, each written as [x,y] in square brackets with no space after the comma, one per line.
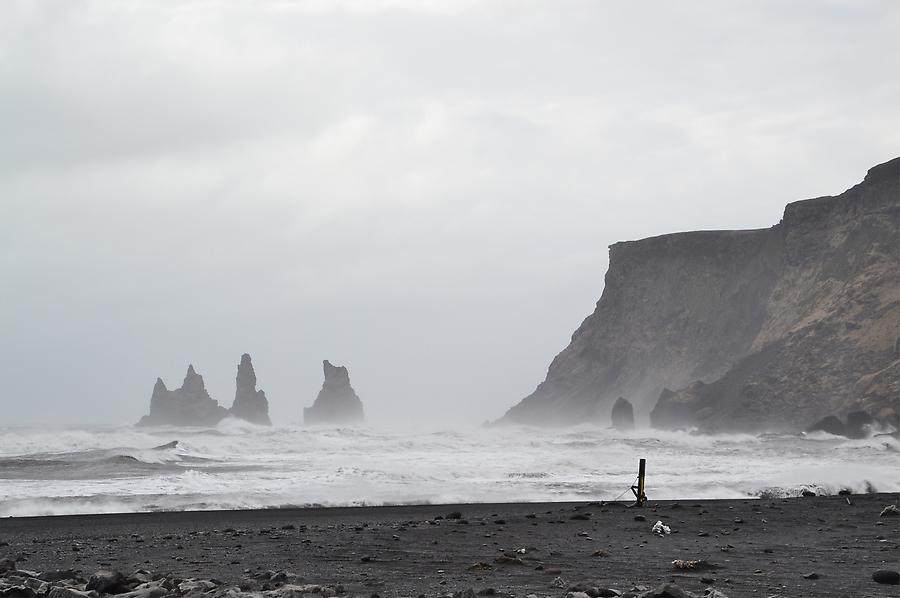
[622,416]
[677,410]
[859,424]
[249,404]
[189,405]
[829,425]
[337,402]
[887,577]
[108,582]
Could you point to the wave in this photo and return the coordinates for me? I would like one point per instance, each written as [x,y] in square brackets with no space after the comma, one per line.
[238,466]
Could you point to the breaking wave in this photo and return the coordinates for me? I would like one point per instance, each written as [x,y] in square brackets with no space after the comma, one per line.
[242,466]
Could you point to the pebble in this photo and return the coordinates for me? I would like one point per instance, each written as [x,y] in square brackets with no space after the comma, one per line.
[887,577]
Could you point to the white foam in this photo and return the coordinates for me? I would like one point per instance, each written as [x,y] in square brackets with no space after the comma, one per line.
[238,465]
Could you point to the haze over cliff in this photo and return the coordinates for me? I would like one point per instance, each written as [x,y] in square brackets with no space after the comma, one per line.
[744,330]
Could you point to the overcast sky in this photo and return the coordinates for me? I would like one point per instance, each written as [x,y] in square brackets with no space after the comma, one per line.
[421,190]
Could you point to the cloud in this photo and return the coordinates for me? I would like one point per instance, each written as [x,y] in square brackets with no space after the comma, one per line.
[424,190]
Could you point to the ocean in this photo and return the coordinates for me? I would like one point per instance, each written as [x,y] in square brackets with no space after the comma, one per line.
[106,469]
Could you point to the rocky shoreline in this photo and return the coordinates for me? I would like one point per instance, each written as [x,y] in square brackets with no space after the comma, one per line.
[810,546]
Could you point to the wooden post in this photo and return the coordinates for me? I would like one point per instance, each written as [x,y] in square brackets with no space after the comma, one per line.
[641,497]
[639,489]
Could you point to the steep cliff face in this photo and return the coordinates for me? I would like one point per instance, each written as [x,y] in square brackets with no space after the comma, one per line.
[336,402]
[249,404]
[762,329]
[189,405]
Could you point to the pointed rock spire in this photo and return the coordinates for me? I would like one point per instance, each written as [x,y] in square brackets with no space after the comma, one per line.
[337,402]
[249,404]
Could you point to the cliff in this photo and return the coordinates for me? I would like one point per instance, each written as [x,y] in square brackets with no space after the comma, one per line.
[249,404]
[769,329]
[189,405]
[336,402]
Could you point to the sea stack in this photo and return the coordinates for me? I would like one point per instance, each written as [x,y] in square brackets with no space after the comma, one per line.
[622,415]
[189,405]
[249,404]
[337,402]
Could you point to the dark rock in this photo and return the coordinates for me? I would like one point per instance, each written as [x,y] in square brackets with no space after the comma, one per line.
[581,517]
[887,577]
[859,424]
[337,402]
[58,575]
[480,566]
[890,511]
[249,404]
[453,515]
[505,559]
[7,565]
[108,582]
[812,576]
[189,405]
[17,592]
[622,416]
[666,590]
[830,425]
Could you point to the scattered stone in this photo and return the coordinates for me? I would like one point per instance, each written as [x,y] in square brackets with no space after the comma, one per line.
[887,577]
[698,565]
[480,566]
[812,575]
[581,517]
[505,559]
[108,582]
[59,575]
[666,590]
[890,511]
[64,592]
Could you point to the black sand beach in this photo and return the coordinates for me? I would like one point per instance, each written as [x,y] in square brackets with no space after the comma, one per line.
[812,546]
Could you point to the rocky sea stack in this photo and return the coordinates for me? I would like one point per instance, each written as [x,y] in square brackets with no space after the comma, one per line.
[189,405]
[337,402]
[622,416]
[751,330]
[249,404]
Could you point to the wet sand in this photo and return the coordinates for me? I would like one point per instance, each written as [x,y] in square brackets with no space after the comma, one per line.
[813,546]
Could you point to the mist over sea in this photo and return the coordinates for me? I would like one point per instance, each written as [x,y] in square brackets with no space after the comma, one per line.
[45,470]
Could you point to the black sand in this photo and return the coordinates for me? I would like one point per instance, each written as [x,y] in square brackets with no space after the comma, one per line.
[761,547]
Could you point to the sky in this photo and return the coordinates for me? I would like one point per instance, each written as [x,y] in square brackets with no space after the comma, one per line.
[421,190]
